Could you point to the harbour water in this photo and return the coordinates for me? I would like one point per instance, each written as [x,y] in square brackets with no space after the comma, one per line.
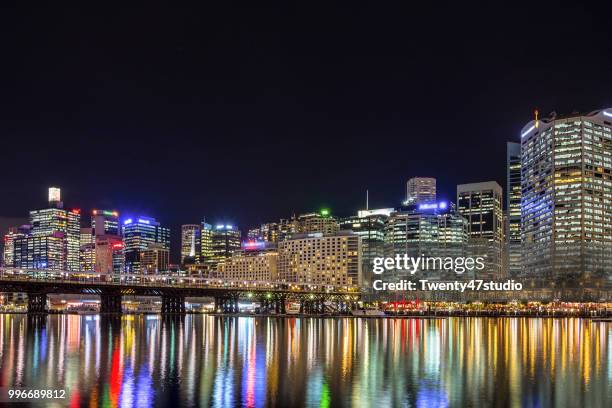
[199,360]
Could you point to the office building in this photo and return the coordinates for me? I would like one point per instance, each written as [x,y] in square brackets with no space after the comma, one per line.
[139,233]
[370,227]
[421,190]
[62,227]
[105,222]
[566,202]
[87,250]
[322,222]
[513,209]
[109,258]
[14,233]
[155,259]
[254,234]
[257,261]
[481,204]
[190,243]
[225,241]
[321,259]
[40,252]
[428,229]
[206,243]
[278,231]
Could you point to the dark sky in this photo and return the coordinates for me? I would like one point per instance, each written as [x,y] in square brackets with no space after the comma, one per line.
[248,114]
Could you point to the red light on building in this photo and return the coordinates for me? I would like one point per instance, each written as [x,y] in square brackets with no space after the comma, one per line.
[94,212]
[117,246]
[76,210]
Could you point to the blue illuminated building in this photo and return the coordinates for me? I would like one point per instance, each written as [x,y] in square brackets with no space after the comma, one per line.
[139,234]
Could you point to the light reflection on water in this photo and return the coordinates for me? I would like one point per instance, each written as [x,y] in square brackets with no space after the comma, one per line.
[241,361]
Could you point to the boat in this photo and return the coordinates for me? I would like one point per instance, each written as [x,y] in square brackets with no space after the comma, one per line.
[293,308]
[83,309]
[368,313]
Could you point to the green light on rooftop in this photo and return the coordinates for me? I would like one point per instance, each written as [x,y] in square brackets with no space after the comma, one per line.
[325,212]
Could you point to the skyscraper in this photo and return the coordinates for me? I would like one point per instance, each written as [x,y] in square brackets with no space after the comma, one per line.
[431,230]
[190,243]
[566,203]
[109,256]
[108,243]
[513,209]
[154,259]
[138,234]
[370,228]
[206,246]
[54,238]
[9,244]
[225,241]
[481,204]
[105,222]
[278,231]
[322,221]
[420,190]
[87,251]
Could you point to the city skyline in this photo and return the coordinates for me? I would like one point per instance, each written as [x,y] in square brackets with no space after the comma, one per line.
[176,250]
[140,119]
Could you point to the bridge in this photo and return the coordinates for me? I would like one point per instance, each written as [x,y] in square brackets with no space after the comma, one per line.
[173,289]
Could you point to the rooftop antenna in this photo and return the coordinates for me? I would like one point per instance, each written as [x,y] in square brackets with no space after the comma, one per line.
[536,113]
[367,199]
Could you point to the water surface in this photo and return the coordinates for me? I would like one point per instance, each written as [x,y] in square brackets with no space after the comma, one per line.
[241,361]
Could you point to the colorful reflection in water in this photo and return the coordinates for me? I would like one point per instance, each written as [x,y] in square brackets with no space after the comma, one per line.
[256,362]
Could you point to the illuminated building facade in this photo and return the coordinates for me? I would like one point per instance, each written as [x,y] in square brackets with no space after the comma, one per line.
[278,231]
[513,209]
[155,259]
[421,190]
[14,233]
[40,252]
[138,234]
[256,261]
[87,250]
[206,240]
[58,225]
[225,241]
[482,205]
[109,257]
[371,229]
[566,203]
[322,222]
[427,229]
[105,222]
[254,234]
[190,243]
[321,259]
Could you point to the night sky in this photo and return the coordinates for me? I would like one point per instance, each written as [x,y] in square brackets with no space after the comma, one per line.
[249,114]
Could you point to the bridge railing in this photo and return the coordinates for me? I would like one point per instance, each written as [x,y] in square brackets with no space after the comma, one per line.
[165,281]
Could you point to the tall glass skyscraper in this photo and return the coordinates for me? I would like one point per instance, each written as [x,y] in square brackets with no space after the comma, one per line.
[566,203]
[140,233]
[190,243]
[431,230]
[482,205]
[206,234]
[370,227]
[54,239]
[513,209]
[225,241]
